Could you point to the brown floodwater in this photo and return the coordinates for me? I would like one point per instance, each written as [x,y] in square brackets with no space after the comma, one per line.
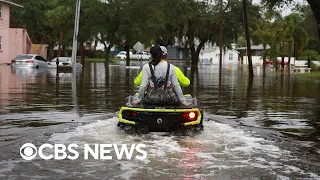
[266,129]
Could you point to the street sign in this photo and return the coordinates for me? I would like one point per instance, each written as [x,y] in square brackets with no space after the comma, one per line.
[138,47]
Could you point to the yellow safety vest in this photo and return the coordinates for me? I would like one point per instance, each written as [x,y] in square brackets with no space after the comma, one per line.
[182,79]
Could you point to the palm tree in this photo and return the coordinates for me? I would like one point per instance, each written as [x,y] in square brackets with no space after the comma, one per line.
[297,36]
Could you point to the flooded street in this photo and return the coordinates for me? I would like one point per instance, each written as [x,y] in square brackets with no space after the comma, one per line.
[269,129]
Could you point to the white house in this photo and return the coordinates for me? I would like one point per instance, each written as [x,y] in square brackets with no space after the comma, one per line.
[211,55]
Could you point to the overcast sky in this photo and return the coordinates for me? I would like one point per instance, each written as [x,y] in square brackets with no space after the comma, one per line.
[286,10]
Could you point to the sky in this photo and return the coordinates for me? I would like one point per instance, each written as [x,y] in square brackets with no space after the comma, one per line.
[286,10]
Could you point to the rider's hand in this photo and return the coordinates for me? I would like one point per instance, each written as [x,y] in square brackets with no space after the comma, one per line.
[135,102]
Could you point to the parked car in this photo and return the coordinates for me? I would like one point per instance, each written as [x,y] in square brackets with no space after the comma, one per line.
[64,62]
[141,56]
[123,55]
[29,61]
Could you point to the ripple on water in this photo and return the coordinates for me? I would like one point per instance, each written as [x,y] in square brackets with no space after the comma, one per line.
[219,149]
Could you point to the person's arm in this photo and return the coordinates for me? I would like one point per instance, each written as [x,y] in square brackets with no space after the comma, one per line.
[177,87]
[138,79]
[183,80]
[143,85]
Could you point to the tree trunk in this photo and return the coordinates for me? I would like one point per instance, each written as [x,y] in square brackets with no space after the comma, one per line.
[290,53]
[106,57]
[289,59]
[59,47]
[315,6]
[82,53]
[195,58]
[186,54]
[282,63]
[195,52]
[95,48]
[51,50]
[245,12]
[107,53]
[63,50]
[282,57]
[127,48]
[264,59]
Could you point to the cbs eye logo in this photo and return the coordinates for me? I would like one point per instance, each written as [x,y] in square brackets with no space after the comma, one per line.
[28,151]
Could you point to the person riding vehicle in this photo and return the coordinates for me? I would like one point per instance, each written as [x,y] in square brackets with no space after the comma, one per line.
[183,80]
[159,79]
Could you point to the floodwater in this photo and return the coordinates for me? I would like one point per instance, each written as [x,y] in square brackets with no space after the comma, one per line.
[265,130]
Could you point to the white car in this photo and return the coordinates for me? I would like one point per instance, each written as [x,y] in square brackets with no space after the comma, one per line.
[123,55]
[29,61]
[141,56]
[64,62]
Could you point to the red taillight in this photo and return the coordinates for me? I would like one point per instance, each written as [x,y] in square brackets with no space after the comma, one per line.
[29,61]
[128,114]
[13,61]
[191,116]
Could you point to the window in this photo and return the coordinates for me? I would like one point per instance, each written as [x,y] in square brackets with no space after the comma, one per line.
[0,11]
[230,56]
[21,57]
[40,58]
[0,43]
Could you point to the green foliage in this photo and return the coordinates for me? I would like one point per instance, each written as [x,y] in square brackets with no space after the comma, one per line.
[124,22]
[32,17]
[279,3]
[314,67]
[310,54]
[309,23]
[282,34]
[314,5]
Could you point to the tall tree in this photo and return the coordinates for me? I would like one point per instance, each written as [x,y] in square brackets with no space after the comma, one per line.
[245,16]
[139,21]
[314,4]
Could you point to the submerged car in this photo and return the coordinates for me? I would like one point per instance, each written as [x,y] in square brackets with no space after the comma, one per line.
[29,61]
[161,119]
[64,62]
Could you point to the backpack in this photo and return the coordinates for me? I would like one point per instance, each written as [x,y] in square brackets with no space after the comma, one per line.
[158,96]
[159,81]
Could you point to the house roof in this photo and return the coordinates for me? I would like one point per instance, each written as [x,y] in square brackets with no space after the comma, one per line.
[11,3]
[254,47]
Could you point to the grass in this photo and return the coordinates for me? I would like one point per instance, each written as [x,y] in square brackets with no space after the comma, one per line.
[94,59]
[312,75]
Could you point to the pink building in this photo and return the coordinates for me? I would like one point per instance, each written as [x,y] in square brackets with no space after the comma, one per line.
[13,41]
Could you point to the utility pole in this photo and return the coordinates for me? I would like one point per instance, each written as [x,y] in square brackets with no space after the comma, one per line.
[75,35]
[74,56]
